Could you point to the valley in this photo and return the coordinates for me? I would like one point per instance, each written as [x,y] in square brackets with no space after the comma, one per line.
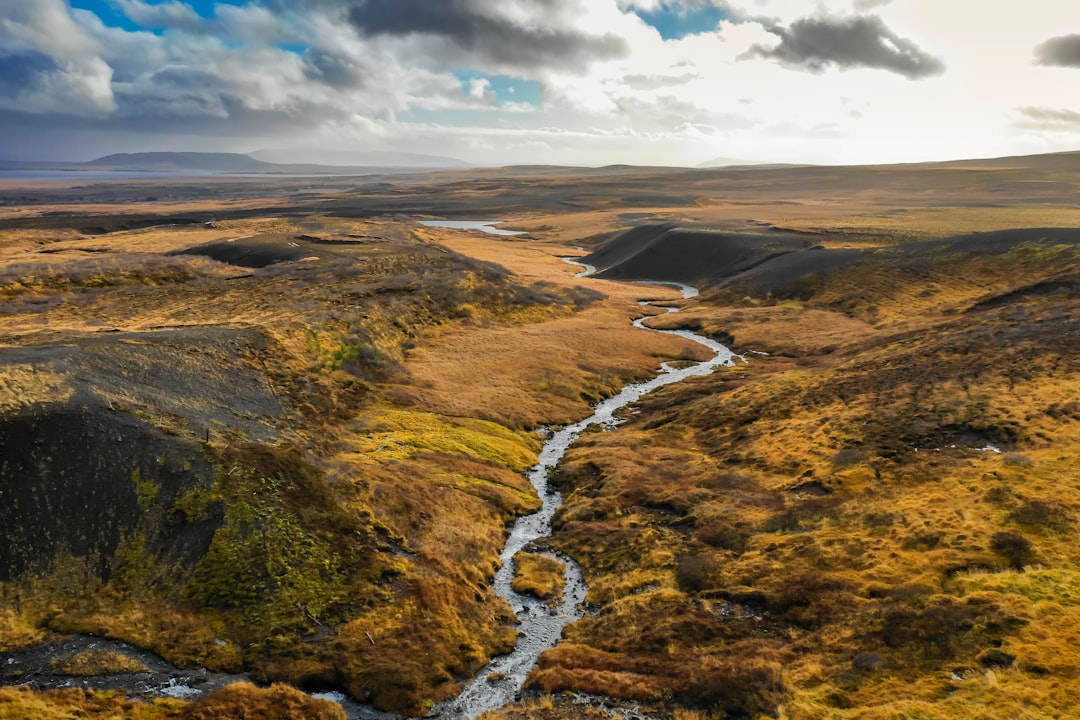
[279,429]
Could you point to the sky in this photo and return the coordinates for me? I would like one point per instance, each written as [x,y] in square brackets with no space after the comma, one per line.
[573,82]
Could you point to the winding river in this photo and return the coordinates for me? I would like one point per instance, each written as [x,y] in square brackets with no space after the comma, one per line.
[540,626]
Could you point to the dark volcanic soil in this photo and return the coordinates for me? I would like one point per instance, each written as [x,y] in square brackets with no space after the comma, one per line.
[689,255]
[80,472]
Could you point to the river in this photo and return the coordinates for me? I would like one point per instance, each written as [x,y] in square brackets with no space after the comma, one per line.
[540,626]
[487,226]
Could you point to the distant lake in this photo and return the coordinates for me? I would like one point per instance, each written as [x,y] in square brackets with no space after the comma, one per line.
[487,226]
[89,175]
[86,175]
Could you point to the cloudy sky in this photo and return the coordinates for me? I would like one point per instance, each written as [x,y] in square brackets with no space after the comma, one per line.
[586,82]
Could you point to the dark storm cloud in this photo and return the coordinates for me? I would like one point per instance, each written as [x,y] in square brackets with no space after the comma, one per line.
[336,71]
[1061,51]
[815,44]
[24,71]
[176,91]
[475,27]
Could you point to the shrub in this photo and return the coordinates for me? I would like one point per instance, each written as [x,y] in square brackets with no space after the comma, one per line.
[723,535]
[1015,459]
[1042,514]
[1013,548]
[810,599]
[942,625]
[736,688]
[802,514]
[695,573]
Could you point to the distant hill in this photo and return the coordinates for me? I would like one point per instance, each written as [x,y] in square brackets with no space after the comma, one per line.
[729,162]
[362,158]
[196,162]
[1061,161]
[216,162]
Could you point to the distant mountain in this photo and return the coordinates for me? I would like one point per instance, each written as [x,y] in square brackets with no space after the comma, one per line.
[180,161]
[225,163]
[361,158]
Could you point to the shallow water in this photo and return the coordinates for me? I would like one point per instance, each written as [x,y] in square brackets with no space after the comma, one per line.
[487,226]
[540,627]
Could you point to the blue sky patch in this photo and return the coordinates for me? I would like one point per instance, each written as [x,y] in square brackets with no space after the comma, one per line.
[506,88]
[675,22]
[110,16]
[113,16]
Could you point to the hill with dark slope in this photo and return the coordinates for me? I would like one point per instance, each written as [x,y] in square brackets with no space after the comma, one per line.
[785,274]
[687,255]
[801,275]
[776,264]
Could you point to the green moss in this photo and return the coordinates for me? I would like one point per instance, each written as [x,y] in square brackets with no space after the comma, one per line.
[265,563]
[146,491]
[400,434]
[194,504]
[1056,585]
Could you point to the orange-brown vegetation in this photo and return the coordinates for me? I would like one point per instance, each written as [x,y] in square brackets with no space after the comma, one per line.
[537,575]
[247,702]
[879,516]
[338,438]
[99,662]
[239,701]
[20,703]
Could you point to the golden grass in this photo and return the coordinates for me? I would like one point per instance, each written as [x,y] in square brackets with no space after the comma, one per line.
[17,630]
[837,510]
[278,702]
[399,434]
[542,577]
[21,703]
[99,662]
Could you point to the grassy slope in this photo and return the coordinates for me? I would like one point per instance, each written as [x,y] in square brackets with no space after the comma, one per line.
[823,530]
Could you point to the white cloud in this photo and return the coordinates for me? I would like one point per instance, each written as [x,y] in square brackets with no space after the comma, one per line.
[49,63]
[479,88]
[613,89]
[169,14]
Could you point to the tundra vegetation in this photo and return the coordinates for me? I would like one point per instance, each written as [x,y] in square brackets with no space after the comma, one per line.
[289,441]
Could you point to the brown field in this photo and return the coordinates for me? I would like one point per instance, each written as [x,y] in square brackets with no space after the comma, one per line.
[317,457]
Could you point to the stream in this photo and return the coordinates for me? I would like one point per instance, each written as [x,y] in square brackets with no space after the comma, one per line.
[540,624]
[500,682]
